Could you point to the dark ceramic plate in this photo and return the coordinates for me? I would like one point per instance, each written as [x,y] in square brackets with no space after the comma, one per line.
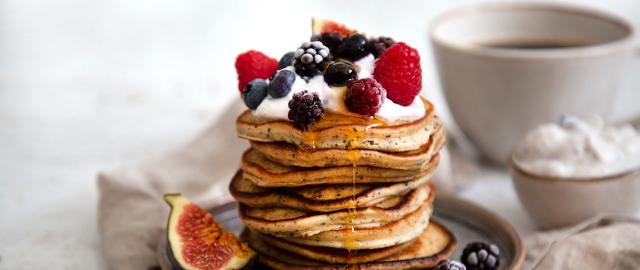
[468,221]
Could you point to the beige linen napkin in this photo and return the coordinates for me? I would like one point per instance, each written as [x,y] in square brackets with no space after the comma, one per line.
[603,242]
[131,210]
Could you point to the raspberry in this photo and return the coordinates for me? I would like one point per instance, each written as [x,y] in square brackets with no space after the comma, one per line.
[481,256]
[305,108]
[377,46]
[398,71]
[364,96]
[254,65]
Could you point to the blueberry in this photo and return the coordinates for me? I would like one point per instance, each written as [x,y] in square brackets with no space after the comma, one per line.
[329,39]
[254,93]
[281,83]
[339,73]
[286,60]
[353,47]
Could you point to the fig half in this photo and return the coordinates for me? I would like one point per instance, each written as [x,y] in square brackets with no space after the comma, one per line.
[198,242]
[319,26]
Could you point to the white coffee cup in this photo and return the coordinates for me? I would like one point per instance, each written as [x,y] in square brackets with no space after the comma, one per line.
[498,87]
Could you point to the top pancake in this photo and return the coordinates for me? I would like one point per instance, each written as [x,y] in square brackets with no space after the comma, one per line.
[343,132]
[293,155]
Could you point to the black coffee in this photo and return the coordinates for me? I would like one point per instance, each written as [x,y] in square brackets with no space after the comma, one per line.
[534,44]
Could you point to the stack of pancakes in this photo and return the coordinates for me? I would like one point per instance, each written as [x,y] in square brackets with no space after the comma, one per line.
[349,191]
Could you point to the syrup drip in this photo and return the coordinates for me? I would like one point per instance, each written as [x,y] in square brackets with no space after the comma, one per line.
[309,139]
[355,139]
[350,242]
[329,120]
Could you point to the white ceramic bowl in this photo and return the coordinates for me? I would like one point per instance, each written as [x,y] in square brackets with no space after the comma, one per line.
[560,201]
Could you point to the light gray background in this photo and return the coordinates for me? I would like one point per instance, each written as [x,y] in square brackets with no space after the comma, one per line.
[95,85]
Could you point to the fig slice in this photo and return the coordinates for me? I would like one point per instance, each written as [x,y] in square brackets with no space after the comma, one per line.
[198,242]
[319,26]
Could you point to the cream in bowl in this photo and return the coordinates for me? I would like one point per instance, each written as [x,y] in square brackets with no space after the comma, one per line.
[577,168]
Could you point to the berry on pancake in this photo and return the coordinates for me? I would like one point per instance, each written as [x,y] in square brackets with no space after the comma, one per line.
[398,71]
[311,58]
[254,93]
[339,73]
[305,108]
[377,46]
[253,65]
[364,96]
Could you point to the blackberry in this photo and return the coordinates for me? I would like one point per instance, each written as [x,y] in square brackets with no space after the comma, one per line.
[481,256]
[329,39]
[311,58]
[339,73]
[281,83]
[364,96]
[254,93]
[449,265]
[353,47]
[305,108]
[286,60]
[378,45]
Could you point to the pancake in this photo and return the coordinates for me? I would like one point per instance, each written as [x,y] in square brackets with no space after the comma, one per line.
[340,131]
[435,244]
[333,255]
[293,155]
[391,234]
[319,198]
[267,173]
[286,222]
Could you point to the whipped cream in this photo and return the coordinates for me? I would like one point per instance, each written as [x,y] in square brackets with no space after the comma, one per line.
[333,98]
[579,147]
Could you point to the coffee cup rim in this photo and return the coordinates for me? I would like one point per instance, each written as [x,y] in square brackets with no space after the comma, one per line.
[592,50]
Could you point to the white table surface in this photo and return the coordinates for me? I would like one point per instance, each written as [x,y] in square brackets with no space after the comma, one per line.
[95,85]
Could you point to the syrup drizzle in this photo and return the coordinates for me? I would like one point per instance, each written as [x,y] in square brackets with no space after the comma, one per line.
[350,242]
[355,139]
[309,139]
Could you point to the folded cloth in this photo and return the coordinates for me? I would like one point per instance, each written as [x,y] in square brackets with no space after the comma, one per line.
[131,212]
[603,242]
